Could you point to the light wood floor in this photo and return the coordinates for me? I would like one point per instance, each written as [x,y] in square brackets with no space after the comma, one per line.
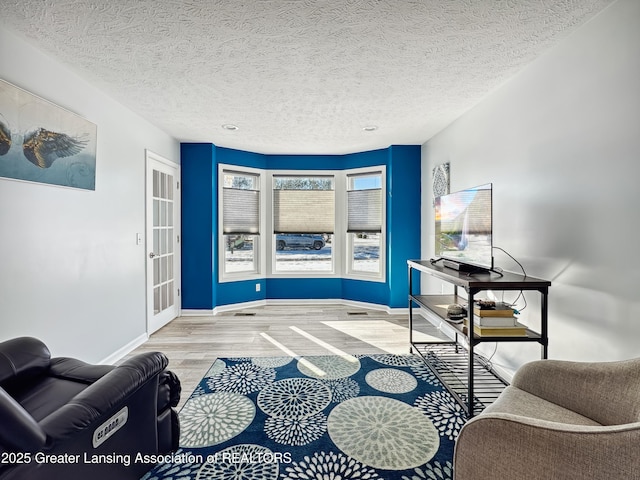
[193,343]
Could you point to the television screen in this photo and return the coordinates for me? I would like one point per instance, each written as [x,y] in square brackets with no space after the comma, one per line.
[463,225]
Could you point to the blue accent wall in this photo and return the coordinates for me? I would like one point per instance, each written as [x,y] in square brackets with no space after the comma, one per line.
[403,219]
[302,288]
[199,259]
[241,291]
[201,289]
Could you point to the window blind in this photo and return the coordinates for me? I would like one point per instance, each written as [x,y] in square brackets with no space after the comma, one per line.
[303,211]
[364,210]
[240,211]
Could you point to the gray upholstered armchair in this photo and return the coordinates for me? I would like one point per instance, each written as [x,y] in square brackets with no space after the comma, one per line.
[557,420]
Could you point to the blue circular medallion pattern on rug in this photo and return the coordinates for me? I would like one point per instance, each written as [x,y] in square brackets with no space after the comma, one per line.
[294,398]
[448,417]
[383,432]
[296,431]
[397,360]
[271,362]
[243,378]
[329,367]
[214,418]
[391,380]
[342,389]
[331,466]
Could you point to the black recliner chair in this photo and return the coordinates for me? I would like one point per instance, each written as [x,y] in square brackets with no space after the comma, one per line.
[64,418]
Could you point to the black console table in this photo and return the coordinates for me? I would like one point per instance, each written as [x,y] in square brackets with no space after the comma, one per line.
[443,357]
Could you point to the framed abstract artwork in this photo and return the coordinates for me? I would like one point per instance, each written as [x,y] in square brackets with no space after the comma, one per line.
[42,142]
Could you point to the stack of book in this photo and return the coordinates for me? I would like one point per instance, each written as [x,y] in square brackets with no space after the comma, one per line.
[496,320]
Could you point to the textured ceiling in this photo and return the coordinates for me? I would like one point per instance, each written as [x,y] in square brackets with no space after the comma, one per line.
[297,76]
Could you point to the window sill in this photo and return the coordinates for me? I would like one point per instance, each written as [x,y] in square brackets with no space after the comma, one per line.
[239,277]
[365,278]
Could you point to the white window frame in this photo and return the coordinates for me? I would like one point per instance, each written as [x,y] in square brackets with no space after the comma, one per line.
[264,248]
[336,246]
[259,247]
[350,271]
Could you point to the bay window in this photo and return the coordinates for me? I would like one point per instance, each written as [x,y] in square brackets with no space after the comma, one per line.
[310,223]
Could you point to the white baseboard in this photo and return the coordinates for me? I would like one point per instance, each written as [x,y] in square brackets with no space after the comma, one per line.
[374,306]
[238,306]
[122,352]
[293,301]
[196,313]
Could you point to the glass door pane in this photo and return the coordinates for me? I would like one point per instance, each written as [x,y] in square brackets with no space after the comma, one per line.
[163,244]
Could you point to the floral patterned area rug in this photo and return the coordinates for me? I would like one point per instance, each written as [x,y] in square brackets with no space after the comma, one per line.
[316,418]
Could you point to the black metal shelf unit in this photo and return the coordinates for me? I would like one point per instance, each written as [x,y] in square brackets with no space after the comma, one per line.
[470,381]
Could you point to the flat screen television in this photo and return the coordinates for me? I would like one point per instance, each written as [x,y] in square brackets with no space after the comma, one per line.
[464,228]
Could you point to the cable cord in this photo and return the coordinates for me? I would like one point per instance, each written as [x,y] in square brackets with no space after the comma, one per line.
[521,294]
[512,258]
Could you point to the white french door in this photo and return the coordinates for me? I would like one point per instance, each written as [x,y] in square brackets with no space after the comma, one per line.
[162,246]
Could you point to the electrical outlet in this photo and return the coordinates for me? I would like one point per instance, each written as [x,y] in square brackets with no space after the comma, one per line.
[257,287]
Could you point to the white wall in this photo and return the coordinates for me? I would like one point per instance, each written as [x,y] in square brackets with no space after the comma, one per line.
[70,270]
[560,143]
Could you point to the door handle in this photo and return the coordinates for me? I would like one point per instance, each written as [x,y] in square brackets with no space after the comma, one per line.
[152,255]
